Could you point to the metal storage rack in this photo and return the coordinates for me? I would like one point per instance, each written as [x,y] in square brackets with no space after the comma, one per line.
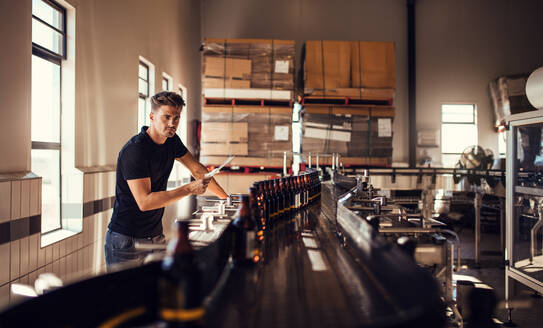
[524,204]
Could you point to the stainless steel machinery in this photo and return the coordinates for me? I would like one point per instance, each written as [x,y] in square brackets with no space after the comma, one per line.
[524,204]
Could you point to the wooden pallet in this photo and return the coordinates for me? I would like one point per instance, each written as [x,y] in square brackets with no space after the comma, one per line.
[345,101]
[353,93]
[246,102]
[245,161]
[247,109]
[373,111]
[356,161]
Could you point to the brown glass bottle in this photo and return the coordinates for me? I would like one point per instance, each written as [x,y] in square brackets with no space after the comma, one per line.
[286,196]
[180,299]
[261,201]
[245,234]
[280,198]
[290,191]
[273,200]
[298,193]
[260,224]
[306,188]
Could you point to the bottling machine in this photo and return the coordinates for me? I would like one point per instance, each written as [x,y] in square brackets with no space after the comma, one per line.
[270,258]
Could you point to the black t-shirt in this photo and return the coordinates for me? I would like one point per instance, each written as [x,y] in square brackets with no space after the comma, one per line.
[141,158]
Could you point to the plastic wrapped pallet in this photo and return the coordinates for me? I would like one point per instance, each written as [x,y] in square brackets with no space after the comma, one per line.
[508,96]
[266,129]
[354,69]
[349,135]
[271,63]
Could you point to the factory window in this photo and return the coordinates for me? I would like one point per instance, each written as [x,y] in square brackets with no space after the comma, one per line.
[167,82]
[184,173]
[145,90]
[502,145]
[180,174]
[48,52]
[458,131]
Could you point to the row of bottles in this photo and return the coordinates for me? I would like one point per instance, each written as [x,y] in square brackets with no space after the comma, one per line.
[180,298]
[270,202]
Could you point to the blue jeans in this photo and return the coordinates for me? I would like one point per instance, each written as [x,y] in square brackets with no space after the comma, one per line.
[120,249]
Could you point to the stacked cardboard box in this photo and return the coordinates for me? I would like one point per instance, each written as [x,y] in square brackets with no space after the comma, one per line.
[348,135]
[354,69]
[256,132]
[250,69]
[248,63]
[508,96]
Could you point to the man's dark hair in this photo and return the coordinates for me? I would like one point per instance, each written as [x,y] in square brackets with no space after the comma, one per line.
[167,98]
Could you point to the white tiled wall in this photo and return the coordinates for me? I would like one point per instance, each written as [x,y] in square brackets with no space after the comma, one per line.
[15,200]
[25,199]
[72,258]
[5,201]
[5,260]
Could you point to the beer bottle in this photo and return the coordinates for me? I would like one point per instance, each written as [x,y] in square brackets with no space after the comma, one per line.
[298,193]
[291,193]
[271,197]
[180,298]
[258,216]
[306,179]
[261,202]
[304,199]
[286,196]
[245,234]
[279,198]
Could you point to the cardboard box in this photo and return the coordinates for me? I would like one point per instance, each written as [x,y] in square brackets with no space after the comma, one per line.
[348,135]
[219,82]
[266,63]
[227,67]
[376,64]
[224,149]
[349,64]
[225,132]
[327,64]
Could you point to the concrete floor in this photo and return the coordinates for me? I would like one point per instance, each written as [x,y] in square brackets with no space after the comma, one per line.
[491,272]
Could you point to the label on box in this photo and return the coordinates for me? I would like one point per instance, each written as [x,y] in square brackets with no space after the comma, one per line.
[281,133]
[327,134]
[384,127]
[281,66]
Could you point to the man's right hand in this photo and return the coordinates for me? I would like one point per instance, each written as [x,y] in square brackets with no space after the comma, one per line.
[198,187]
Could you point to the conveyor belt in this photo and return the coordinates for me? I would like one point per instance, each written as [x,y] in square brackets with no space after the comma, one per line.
[306,279]
[311,281]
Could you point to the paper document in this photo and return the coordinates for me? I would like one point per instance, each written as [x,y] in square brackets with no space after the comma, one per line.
[216,170]
[281,66]
[281,132]
[384,127]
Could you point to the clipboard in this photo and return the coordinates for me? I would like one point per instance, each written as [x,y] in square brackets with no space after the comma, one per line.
[217,170]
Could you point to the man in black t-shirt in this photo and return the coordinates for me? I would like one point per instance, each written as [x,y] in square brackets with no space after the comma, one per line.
[143,168]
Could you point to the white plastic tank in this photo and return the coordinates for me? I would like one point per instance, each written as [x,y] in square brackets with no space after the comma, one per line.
[534,88]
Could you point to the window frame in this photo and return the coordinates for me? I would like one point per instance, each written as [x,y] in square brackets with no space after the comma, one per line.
[141,95]
[46,53]
[169,82]
[143,117]
[54,58]
[473,122]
